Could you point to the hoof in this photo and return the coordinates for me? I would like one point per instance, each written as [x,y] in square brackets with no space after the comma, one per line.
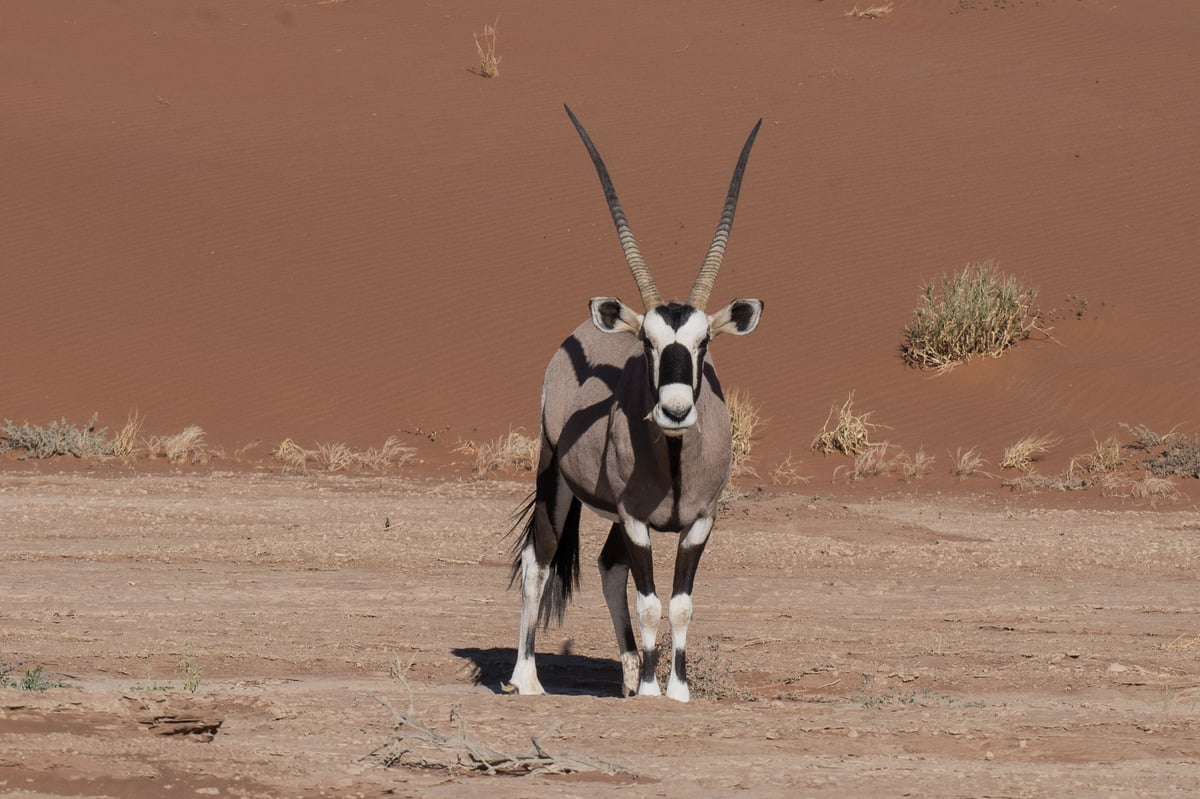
[678,690]
[649,689]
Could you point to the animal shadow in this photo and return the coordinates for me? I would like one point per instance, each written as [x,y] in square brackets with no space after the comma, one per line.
[563,673]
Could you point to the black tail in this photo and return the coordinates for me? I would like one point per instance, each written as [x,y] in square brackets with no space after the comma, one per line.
[564,565]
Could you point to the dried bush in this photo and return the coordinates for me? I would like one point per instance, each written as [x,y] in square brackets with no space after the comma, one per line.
[295,458]
[513,451]
[489,62]
[975,312]
[1105,458]
[743,420]
[914,467]
[125,443]
[967,463]
[870,462]
[785,473]
[1023,453]
[186,446]
[338,457]
[850,433]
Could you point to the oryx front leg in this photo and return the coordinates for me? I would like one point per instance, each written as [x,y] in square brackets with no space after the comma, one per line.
[614,579]
[691,547]
[649,608]
[533,584]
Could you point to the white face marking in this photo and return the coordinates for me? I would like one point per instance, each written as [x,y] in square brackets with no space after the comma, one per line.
[675,410]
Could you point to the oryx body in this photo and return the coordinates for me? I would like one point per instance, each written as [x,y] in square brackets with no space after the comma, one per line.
[634,425]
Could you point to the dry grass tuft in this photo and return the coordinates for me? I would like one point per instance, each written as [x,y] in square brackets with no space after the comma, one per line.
[850,433]
[125,442]
[743,420]
[513,451]
[1105,458]
[338,457]
[186,446]
[1144,486]
[870,462]
[870,12]
[914,467]
[1023,453]
[975,312]
[785,474]
[489,62]
[968,463]
[295,458]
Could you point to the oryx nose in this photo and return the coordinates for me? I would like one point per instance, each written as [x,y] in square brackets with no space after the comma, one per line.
[676,415]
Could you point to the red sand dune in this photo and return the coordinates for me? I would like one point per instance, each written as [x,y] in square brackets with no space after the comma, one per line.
[312,220]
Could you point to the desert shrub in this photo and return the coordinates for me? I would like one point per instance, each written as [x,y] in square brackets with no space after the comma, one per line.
[976,312]
[1180,457]
[56,438]
[1169,454]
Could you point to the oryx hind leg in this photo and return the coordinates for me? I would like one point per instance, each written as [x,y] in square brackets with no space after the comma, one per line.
[614,578]
[687,559]
[549,512]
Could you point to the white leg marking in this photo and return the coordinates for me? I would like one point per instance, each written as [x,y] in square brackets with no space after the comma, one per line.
[680,613]
[533,583]
[637,532]
[697,534]
[649,611]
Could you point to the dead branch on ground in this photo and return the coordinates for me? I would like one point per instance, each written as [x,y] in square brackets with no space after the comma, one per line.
[415,745]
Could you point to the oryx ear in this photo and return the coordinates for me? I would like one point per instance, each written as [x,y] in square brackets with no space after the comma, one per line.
[738,317]
[613,316]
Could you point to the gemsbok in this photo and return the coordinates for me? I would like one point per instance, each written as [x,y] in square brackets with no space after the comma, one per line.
[634,425]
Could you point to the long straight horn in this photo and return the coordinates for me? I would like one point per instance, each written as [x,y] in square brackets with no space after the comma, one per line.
[633,255]
[716,252]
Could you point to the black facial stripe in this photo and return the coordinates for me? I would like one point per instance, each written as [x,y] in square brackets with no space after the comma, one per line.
[675,365]
[675,314]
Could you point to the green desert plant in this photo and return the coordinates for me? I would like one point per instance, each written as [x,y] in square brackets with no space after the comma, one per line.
[190,670]
[56,438]
[32,680]
[976,312]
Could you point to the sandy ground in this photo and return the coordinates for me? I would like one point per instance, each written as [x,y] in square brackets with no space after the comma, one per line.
[898,645]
